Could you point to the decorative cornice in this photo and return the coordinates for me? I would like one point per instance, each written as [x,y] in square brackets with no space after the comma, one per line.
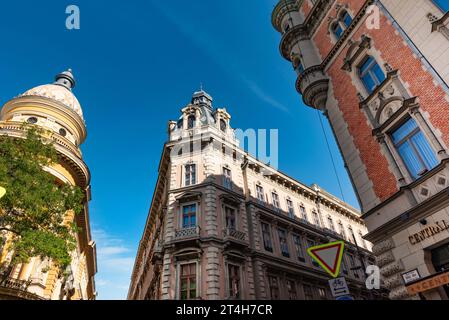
[280,10]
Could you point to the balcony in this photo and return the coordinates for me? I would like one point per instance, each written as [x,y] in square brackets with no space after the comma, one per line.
[290,39]
[313,85]
[14,289]
[231,233]
[282,8]
[187,233]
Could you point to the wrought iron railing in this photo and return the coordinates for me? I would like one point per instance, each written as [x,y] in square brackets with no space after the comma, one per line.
[189,232]
[233,233]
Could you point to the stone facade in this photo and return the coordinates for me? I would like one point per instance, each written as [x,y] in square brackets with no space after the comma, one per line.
[374,67]
[252,224]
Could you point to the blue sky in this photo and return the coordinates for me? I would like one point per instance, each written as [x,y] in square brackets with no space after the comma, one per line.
[137,64]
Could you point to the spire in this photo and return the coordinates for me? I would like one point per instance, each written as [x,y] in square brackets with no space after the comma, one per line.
[65,79]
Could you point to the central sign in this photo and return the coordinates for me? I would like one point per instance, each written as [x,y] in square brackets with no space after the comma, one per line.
[428,232]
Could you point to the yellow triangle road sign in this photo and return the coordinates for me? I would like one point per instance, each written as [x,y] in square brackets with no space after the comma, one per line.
[328,256]
[2,192]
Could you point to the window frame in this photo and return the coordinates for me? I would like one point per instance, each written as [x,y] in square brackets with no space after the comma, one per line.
[227,178]
[192,180]
[267,242]
[283,242]
[366,68]
[188,204]
[180,278]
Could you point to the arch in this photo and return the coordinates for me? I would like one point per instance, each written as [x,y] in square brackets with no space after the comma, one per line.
[395,103]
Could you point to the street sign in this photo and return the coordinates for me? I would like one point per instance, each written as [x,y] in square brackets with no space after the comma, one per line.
[339,287]
[345,298]
[2,192]
[411,276]
[328,256]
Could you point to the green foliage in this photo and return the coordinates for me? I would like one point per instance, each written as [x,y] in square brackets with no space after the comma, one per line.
[35,205]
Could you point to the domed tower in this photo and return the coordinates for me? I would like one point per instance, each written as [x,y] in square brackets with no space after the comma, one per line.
[55,109]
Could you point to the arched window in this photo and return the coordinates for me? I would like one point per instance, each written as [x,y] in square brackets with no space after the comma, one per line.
[223,125]
[337,30]
[343,22]
[371,74]
[191,121]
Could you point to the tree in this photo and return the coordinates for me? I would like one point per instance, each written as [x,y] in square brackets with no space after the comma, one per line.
[35,205]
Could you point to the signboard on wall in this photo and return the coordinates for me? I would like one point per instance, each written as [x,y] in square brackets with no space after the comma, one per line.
[428,283]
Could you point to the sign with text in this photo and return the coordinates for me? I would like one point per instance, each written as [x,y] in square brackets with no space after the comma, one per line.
[411,276]
[428,283]
[339,287]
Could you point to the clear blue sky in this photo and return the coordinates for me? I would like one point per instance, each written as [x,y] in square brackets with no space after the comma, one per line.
[137,64]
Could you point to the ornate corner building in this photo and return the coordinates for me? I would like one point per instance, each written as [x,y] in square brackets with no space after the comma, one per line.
[54,108]
[223,225]
[379,71]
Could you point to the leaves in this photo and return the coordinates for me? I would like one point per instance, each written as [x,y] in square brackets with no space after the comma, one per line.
[36,204]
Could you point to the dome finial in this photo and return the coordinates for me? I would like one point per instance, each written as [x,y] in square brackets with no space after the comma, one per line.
[66,79]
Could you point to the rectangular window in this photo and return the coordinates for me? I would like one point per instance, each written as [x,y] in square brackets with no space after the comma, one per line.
[234,281]
[190,174]
[344,267]
[322,294]
[230,218]
[227,181]
[298,247]
[273,283]
[303,212]
[260,195]
[414,148]
[371,74]
[316,219]
[291,290]
[331,223]
[188,281]
[308,292]
[311,243]
[342,230]
[291,210]
[283,242]
[266,236]
[189,216]
[353,265]
[347,20]
[275,198]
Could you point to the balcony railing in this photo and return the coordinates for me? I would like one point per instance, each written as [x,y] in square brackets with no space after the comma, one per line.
[190,232]
[15,284]
[234,234]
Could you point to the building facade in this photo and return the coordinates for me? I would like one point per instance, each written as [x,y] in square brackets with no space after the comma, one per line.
[54,108]
[379,71]
[223,225]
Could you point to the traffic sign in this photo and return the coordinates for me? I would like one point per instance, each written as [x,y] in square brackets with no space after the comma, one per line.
[2,192]
[339,287]
[328,256]
[345,298]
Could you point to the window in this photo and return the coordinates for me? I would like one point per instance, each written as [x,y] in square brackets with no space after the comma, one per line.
[259,191]
[63,132]
[227,181]
[322,294]
[316,219]
[346,19]
[337,30]
[339,27]
[283,242]
[275,198]
[371,74]
[223,125]
[311,243]
[189,216]
[303,212]
[308,292]
[291,290]
[234,281]
[188,281]
[230,218]
[266,235]
[344,267]
[190,175]
[298,247]
[191,122]
[331,223]
[273,283]
[291,210]
[32,120]
[362,240]
[414,148]
[300,68]
[353,265]
[351,234]
[342,230]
